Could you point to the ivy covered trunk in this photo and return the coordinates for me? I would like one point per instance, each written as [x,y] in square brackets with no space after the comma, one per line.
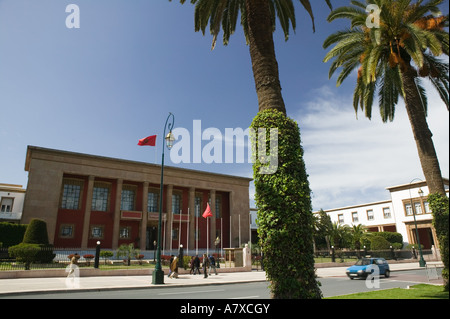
[439,207]
[285,218]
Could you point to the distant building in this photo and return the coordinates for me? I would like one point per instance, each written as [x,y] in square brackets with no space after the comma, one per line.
[11,202]
[396,214]
[86,198]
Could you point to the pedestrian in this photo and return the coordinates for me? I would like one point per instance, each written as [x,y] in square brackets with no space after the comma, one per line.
[174,268]
[205,265]
[212,265]
[191,266]
[170,265]
[197,265]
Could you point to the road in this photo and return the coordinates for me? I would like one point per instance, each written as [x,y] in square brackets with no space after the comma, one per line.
[331,286]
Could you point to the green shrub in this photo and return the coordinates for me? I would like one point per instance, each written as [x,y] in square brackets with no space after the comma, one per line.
[11,234]
[379,243]
[26,253]
[36,232]
[285,214]
[105,254]
[391,237]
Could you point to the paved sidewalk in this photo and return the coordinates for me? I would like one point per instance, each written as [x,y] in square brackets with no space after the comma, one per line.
[42,285]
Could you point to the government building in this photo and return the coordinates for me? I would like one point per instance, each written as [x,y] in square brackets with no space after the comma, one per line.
[85,198]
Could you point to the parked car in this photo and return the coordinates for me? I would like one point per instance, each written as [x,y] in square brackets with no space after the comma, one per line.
[366,266]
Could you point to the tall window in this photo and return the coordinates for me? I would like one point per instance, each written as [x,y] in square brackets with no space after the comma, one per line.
[408,209]
[341,218]
[152,202]
[71,194]
[127,200]
[198,206]
[387,212]
[370,215]
[218,207]
[355,218]
[100,198]
[418,208]
[176,203]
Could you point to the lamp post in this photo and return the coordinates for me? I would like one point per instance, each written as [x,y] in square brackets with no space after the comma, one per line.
[422,262]
[158,274]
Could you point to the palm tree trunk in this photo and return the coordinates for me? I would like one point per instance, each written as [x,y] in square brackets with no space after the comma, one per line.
[262,53]
[422,134]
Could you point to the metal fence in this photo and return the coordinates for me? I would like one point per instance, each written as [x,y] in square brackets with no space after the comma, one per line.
[62,257]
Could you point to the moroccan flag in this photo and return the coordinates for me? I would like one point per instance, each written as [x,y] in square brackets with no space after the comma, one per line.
[148,141]
[207,212]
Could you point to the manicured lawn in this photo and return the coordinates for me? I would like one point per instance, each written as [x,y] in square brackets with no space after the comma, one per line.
[421,291]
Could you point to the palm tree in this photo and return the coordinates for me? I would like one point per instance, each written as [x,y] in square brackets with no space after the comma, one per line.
[284,211]
[392,59]
[358,232]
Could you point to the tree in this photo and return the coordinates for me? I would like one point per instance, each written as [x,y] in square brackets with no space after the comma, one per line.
[393,57]
[358,232]
[258,19]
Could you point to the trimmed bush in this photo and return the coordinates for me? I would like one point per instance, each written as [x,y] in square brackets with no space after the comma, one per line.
[11,234]
[36,232]
[26,253]
[284,211]
[379,243]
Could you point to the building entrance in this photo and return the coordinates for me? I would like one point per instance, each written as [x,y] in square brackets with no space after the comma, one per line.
[152,237]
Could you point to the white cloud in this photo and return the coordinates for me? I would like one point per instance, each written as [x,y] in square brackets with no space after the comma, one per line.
[352,161]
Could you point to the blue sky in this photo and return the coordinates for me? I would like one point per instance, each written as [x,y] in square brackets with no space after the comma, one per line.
[100,88]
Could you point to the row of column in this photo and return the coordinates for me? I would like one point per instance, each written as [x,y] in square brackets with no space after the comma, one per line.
[144,221]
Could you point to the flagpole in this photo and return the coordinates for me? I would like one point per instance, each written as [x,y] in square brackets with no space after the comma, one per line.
[179,235]
[187,235]
[239,230]
[207,237]
[196,234]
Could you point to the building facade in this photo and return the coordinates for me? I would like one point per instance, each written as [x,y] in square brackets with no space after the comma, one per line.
[396,214]
[86,198]
[11,202]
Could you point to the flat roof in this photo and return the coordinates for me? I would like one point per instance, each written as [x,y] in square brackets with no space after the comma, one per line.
[32,148]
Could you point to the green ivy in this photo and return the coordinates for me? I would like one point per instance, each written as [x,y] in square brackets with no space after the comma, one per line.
[285,219]
[439,208]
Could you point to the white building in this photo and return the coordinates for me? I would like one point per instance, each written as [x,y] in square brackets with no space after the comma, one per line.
[11,202]
[396,214]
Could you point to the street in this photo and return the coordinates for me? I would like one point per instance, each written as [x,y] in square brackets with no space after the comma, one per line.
[330,286]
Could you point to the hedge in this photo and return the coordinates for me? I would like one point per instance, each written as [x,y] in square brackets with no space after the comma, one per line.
[11,234]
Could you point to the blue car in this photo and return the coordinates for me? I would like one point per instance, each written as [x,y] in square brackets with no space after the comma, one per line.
[366,266]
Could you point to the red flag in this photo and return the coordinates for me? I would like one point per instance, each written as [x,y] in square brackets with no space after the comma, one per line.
[207,212]
[148,141]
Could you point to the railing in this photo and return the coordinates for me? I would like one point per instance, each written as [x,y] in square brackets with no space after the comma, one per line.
[147,258]
[62,258]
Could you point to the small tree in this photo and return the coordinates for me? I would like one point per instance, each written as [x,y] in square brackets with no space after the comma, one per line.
[105,254]
[127,251]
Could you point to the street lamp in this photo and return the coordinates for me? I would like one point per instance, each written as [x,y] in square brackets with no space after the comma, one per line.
[422,262]
[158,274]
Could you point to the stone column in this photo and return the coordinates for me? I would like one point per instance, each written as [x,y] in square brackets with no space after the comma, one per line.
[116,225]
[191,218]
[87,212]
[144,220]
